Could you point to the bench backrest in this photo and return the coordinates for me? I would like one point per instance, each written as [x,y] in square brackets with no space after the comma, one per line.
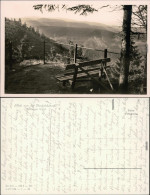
[89,65]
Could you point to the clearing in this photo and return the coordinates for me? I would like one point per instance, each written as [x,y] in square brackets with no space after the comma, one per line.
[40,79]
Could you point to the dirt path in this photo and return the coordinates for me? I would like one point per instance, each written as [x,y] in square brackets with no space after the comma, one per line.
[38,79]
[33,79]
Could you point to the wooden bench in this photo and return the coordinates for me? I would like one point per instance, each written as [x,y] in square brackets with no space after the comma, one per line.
[85,71]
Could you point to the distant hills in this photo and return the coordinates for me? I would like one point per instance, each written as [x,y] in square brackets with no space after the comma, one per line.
[83,33]
[68,23]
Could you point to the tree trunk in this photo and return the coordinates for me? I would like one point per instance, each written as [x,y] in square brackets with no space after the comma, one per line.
[125,49]
[145,68]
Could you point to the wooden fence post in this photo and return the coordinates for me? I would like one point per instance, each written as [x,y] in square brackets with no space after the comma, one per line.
[105,53]
[105,56]
[76,68]
[10,55]
[44,52]
[75,53]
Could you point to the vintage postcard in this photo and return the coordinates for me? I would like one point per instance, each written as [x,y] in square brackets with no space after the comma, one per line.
[74,48]
[75,146]
[64,129]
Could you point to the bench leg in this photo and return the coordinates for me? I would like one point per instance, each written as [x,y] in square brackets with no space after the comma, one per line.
[99,74]
[73,85]
[99,78]
[64,83]
[74,77]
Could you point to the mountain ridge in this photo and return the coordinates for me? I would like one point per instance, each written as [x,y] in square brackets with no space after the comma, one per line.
[77,32]
[69,23]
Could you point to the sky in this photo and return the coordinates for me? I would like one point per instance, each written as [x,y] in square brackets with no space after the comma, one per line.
[18,9]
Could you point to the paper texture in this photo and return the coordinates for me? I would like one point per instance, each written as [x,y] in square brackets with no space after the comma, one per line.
[13,9]
[75,146]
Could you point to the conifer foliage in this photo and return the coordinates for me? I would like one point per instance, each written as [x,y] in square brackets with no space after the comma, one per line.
[27,42]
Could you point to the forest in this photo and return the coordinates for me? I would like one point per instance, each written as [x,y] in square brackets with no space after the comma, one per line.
[27,42]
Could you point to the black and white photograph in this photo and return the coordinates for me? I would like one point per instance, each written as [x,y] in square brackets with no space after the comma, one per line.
[74,97]
[62,47]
